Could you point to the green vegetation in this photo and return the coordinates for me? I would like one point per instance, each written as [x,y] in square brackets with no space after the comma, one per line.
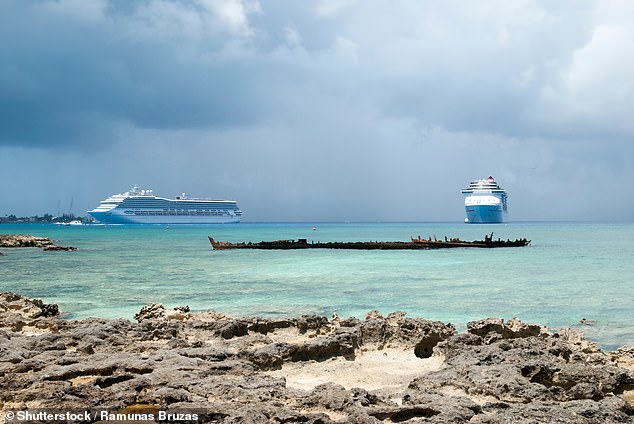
[47,218]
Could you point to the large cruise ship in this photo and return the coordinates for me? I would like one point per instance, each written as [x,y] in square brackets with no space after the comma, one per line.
[143,207]
[485,202]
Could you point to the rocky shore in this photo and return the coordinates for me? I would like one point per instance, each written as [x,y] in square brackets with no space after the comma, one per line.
[25,240]
[309,369]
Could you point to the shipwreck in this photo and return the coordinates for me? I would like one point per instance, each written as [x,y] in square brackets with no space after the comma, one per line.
[412,244]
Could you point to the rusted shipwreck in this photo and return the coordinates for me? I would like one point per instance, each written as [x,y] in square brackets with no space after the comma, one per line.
[413,244]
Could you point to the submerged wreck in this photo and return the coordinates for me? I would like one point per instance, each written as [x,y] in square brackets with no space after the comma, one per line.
[413,244]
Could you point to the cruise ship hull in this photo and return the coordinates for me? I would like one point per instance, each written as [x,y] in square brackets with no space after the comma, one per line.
[115,218]
[484,214]
[485,202]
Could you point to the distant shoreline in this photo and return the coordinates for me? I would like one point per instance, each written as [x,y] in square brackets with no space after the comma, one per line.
[45,219]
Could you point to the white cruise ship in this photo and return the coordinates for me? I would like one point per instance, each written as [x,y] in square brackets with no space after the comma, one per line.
[485,202]
[142,207]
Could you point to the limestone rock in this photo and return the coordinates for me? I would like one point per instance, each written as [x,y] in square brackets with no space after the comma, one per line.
[24,240]
[491,329]
[220,367]
[25,307]
[59,248]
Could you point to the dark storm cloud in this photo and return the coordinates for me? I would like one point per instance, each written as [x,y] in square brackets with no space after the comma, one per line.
[73,78]
[335,109]
[76,71]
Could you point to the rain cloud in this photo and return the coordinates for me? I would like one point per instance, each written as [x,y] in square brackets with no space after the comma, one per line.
[322,110]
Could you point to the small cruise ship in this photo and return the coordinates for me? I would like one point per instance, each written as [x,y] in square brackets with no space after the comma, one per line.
[485,202]
[139,206]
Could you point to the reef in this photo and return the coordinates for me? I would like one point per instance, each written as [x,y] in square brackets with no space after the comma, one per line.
[308,369]
[25,240]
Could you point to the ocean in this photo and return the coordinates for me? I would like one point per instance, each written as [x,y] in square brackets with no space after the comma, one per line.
[569,272]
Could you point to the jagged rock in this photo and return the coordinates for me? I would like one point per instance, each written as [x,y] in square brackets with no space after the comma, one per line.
[25,307]
[491,329]
[608,411]
[59,248]
[264,326]
[624,357]
[183,309]
[233,329]
[374,315]
[419,334]
[156,311]
[525,369]
[270,357]
[46,309]
[222,367]
[23,240]
[151,311]
[455,409]
[339,344]
[331,396]
[310,322]
[576,338]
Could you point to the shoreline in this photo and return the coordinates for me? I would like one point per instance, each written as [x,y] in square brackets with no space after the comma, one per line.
[307,369]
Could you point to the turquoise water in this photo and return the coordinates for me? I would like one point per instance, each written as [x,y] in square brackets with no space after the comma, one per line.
[570,271]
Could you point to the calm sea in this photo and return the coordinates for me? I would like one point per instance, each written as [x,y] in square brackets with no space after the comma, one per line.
[569,272]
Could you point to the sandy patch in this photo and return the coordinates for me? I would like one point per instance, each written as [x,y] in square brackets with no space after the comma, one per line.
[83,380]
[627,363]
[629,397]
[333,415]
[388,370]
[293,335]
[30,331]
[457,392]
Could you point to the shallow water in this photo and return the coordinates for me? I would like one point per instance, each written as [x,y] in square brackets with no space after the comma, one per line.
[570,271]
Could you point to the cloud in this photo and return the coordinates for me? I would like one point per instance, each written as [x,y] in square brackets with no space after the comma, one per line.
[332,7]
[516,69]
[162,65]
[597,86]
[337,101]
[90,12]
[233,14]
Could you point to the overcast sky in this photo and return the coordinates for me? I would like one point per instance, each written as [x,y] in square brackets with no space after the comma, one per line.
[320,110]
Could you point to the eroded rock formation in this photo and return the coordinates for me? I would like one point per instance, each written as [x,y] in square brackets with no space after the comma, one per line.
[25,240]
[249,369]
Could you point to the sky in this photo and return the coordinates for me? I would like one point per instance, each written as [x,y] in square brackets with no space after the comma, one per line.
[324,110]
